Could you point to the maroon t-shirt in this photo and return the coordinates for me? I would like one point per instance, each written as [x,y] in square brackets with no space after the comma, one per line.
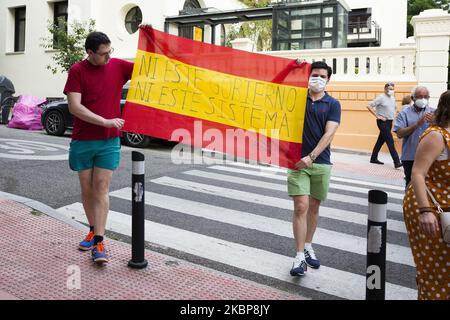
[101,90]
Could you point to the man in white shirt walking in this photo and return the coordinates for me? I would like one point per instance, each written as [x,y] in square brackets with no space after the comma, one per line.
[383,108]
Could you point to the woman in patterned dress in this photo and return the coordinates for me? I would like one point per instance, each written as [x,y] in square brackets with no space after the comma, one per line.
[431,169]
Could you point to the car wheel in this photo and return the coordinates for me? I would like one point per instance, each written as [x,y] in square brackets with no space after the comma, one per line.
[136,140]
[54,123]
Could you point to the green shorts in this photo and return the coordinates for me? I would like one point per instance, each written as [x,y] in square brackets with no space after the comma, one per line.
[87,154]
[313,181]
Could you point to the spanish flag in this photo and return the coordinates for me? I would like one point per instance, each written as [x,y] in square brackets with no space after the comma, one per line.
[230,101]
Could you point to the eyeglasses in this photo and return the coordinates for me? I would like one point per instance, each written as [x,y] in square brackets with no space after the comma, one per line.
[108,53]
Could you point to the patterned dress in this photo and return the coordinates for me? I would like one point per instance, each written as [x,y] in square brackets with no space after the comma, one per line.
[431,256]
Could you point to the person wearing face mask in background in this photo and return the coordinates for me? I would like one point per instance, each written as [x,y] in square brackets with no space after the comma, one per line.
[407,101]
[383,108]
[410,123]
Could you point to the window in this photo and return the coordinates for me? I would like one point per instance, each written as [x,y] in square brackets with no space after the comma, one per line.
[190,6]
[133,19]
[359,21]
[328,22]
[19,29]
[60,19]
[297,24]
[309,25]
[327,44]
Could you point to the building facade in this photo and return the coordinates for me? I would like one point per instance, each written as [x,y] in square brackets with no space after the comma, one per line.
[23,24]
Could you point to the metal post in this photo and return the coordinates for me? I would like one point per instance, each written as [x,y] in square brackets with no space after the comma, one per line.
[213,34]
[376,246]
[138,212]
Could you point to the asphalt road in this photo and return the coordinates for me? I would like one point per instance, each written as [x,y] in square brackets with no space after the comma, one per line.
[230,218]
[50,180]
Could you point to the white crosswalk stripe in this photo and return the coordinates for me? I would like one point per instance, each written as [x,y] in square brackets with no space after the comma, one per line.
[246,196]
[280,172]
[283,187]
[323,237]
[282,177]
[239,184]
[327,212]
[328,280]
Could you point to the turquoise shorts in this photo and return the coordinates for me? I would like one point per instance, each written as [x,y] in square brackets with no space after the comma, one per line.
[313,181]
[87,154]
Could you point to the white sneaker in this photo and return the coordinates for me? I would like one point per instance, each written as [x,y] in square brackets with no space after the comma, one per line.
[311,259]
[299,267]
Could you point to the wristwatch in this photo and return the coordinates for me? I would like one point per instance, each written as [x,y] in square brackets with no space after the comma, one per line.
[312,156]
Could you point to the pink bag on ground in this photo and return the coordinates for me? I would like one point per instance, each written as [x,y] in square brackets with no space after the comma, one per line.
[27,113]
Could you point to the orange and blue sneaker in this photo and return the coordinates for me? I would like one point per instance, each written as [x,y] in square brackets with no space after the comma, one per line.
[88,242]
[99,253]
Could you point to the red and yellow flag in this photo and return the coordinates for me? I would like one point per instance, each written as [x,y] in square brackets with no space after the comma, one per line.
[218,98]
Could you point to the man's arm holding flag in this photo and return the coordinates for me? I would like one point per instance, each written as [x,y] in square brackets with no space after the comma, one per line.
[327,138]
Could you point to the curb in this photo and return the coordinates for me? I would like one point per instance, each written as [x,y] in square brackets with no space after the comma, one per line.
[45,209]
[5,296]
[351,151]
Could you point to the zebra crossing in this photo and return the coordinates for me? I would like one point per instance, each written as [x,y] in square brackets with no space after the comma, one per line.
[240,215]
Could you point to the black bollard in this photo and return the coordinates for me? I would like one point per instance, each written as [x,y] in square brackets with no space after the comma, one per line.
[138,212]
[376,246]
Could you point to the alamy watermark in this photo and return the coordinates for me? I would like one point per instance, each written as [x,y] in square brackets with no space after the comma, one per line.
[213,146]
[74,277]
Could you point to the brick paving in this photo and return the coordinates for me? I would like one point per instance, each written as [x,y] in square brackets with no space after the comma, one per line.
[42,262]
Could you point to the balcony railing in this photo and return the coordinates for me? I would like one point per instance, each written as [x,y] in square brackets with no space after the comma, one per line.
[362,64]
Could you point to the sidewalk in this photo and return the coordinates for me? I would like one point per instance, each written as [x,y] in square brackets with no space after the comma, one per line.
[39,258]
[357,165]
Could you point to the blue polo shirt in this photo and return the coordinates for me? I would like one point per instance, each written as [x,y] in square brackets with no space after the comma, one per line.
[317,114]
[406,118]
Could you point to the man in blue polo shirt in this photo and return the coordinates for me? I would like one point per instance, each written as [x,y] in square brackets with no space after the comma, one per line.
[308,185]
[410,123]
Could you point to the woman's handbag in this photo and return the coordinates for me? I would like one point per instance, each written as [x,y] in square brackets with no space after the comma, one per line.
[445,218]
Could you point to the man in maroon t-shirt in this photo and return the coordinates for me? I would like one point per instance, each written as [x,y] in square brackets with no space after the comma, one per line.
[93,90]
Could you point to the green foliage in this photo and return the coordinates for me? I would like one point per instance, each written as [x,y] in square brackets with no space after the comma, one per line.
[69,45]
[260,32]
[256,3]
[415,7]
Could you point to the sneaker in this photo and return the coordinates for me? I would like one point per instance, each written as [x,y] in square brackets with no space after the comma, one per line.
[87,243]
[311,259]
[299,268]
[376,161]
[99,253]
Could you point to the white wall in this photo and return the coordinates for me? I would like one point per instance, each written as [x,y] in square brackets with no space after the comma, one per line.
[27,70]
[391,15]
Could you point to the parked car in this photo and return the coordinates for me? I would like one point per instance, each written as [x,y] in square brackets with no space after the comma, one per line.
[56,119]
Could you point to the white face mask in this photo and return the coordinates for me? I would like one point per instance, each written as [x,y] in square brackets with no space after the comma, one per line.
[391,92]
[421,103]
[317,84]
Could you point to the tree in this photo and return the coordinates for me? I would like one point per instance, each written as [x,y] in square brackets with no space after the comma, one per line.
[260,31]
[415,7]
[444,4]
[68,41]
